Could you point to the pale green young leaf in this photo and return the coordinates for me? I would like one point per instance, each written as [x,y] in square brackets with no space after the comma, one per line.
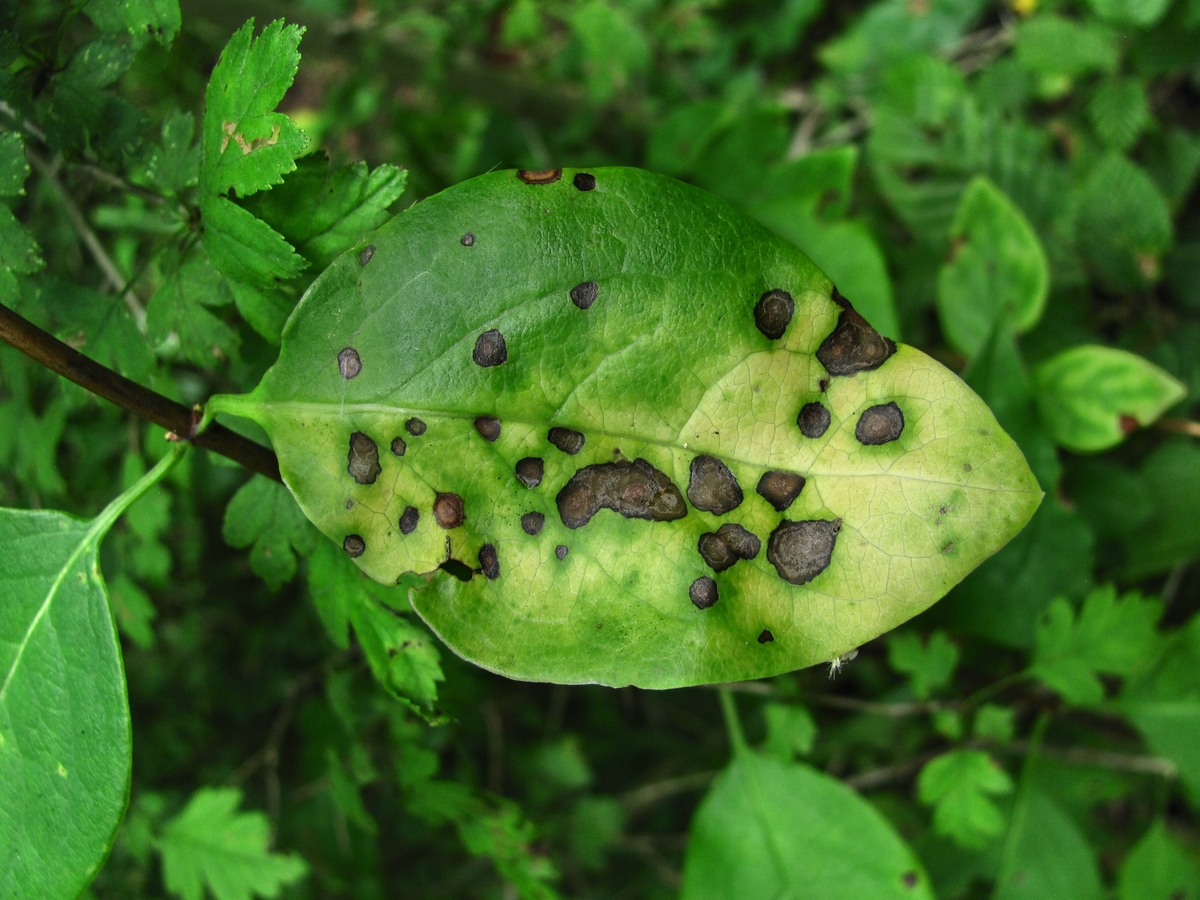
[767,828]
[263,516]
[1159,865]
[928,664]
[997,275]
[1090,397]
[960,785]
[210,846]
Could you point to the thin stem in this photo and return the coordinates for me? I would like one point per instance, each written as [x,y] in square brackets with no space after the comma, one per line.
[146,404]
[733,725]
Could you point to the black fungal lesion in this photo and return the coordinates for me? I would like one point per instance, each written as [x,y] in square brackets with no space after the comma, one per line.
[539,176]
[584,295]
[703,592]
[448,510]
[765,636]
[880,424]
[635,489]
[399,447]
[800,551]
[415,426]
[853,345]
[532,523]
[561,551]
[363,461]
[409,519]
[349,363]
[728,545]
[490,349]
[584,181]
[468,239]
[773,313]
[366,254]
[530,470]
[354,545]
[712,487]
[568,440]
[488,427]
[780,488]
[813,419]
[489,562]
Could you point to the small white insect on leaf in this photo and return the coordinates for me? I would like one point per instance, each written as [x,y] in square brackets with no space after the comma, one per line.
[835,664]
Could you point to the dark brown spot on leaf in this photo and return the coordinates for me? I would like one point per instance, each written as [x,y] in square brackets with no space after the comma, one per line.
[354,545]
[468,239]
[539,176]
[488,427]
[765,637]
[584,295]
[1127,423]
[703,592]
[800,551]
[489,561]
[909,879]
[635,489]
[448,510]
[823,384]
[729,543]
[530,470]
[853,346]
[363,462]
[365,255]
[409,520]
[773,312]
[780,488]
[879,424]
[813,420]
[399,448]
[566,439]
[532,522]
[349,503]
[712,487]
[415,426]
[490,349]
[561,551]
[349,363]
[584,181]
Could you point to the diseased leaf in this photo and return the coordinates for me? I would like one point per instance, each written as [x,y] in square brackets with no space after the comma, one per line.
[959,785]
[646,439]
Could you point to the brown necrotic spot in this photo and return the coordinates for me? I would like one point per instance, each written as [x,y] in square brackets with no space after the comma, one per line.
[363,462]
[399,448]
[539,176]
[490,349]
[448,510]
[365,255]
[703,592]
[415,426]
[566,439]
[765,637]
[729,543]
[773,312]
[635,489]
[880,424]
[409,519]
[468,239]
[780,488]
[853,346]
[532,522]
[584,181]
[489,561]
[561,551]
[349,363]
[813,420]
[530,470]
[584,295]
[488,427]
[800,551]
[354,545]
[712,487]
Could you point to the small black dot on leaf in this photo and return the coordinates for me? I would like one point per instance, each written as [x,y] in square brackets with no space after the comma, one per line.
[365,255]
[468,239]
[561,551]
[584,181]
[765,637]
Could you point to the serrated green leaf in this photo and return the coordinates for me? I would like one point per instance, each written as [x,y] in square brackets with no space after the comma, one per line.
[997,275]
[462,308]
[245,248]
[158,20]
[791,731]
[262,516]
[174,164]
[1120,112]
[1090,397]
[179,314]
[14,167]
[1159,865]
[959,786]
[930,665]
[210,845]
[65,746]
[1052,45]
[247,146]
[772,829]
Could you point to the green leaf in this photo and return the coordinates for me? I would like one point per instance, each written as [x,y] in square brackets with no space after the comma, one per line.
[997,275]
[173,165]
[1139,13]
[1091,397]
[613,50]
[772,829]
[929,665]
[65,745]
[1120,112]
[245,248]
[791,731]
[1052,45]
[1046,855]
[424,366]
[959,786]
[19,252]
[212,845]
[144,19]
[1111,635]
[263,516]
[247,146]
[1159,865]
[179,315]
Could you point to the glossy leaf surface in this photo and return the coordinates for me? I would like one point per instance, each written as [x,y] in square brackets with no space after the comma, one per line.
[653,442]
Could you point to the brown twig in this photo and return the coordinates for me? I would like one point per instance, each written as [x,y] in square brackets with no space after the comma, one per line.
[146,404]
